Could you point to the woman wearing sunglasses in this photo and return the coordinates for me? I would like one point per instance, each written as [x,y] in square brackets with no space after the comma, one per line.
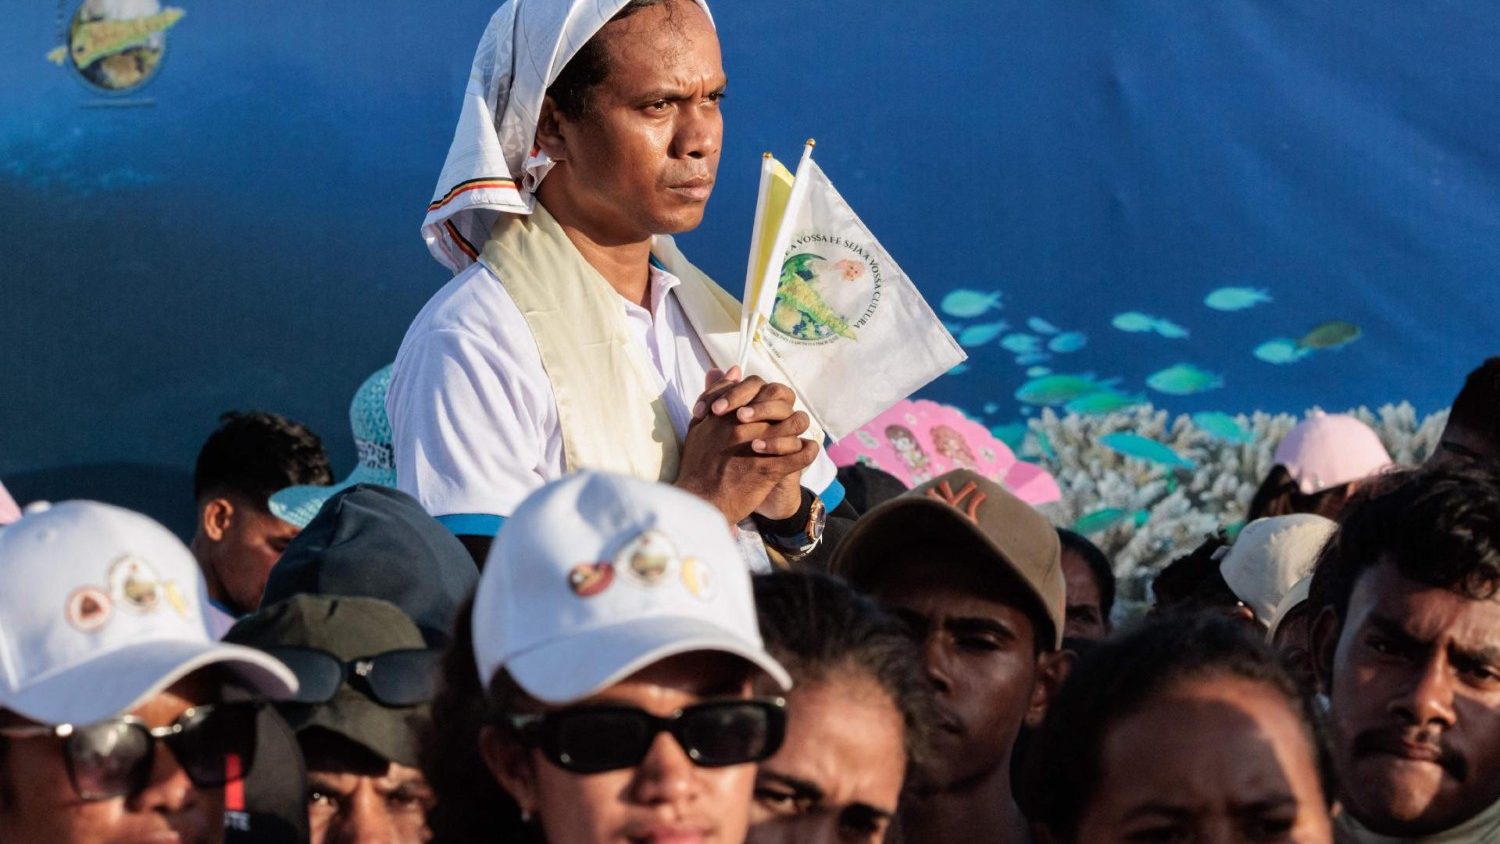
[120,719]
[614,632]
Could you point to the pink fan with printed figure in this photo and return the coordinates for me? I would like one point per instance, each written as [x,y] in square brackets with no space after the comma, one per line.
[9,511]
[917,441]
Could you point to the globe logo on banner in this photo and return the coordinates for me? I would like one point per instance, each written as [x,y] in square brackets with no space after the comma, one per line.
[828,290]
[116,46]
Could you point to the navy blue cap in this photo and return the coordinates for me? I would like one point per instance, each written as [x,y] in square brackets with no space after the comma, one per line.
[375,542]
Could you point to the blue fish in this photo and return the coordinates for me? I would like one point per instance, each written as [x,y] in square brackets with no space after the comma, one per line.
[1134,321]
[1142,448]
[1170,330]
[1013,435]
[1236,298]
[978,335]
[1041,326]
[1044,443]
[1057,389]
[1101,520]
[1037,372]
[1104,401]
[1281,350]
[967,304]
[991,407]
[1070,342]
[1183,379]
[1222,426]
[1031,358]
[1021,344]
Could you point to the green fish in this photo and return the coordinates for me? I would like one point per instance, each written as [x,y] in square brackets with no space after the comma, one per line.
[1183,379]
[1142,448]
[800,310]
[1331,335]
[1057,389]
[1222,426]
[1102,520]
[1102,402]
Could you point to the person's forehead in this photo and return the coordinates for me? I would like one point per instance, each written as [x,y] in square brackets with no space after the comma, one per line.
[1079,578]
[1382,594]
[660,40]
[677,680]
[846,736]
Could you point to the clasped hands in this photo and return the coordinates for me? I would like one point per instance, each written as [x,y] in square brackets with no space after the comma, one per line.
[744,450]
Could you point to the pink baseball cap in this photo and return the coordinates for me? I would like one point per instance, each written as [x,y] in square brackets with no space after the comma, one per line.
[1329,450]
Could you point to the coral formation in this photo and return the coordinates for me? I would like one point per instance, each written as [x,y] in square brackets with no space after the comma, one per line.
[1183,506]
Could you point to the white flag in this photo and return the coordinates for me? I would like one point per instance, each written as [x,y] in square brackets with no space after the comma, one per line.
[848,327]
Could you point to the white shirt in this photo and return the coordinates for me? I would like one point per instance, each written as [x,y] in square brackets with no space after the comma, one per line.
[474,420]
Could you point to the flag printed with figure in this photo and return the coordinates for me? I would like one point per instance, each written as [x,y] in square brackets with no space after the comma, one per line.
[847,327]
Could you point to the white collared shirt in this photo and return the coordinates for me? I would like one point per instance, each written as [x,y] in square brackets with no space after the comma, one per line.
[474,420]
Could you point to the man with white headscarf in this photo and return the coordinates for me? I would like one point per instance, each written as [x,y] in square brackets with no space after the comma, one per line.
[575,335]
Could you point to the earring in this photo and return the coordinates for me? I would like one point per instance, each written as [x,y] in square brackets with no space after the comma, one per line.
[525,816]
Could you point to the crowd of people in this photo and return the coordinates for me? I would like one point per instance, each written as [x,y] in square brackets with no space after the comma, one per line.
[592,583]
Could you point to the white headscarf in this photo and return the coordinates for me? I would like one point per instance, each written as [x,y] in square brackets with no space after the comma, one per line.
[493,166]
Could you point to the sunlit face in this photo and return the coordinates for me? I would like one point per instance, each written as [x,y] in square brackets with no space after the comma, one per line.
[666,798]
[1208,760]
[838,776]
[1085,619]
[358,797]
[1415,691]
[643,158]
[40,804]
[979,650]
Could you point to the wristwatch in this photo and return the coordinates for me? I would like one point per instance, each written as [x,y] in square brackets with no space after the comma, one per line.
[799,534]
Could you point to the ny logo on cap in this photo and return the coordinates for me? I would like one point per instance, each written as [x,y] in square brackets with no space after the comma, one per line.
[969,492]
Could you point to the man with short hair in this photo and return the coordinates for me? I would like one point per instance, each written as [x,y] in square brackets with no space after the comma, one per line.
[366,681]
[237,540]
[120,718]
[1090,588]
[1407,647]
[1473,430]
[575,335]
[976,574]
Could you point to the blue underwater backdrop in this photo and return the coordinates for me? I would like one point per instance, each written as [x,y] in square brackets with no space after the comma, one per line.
[1211,207]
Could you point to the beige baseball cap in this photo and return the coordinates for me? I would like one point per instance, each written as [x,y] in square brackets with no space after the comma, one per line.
[967,504]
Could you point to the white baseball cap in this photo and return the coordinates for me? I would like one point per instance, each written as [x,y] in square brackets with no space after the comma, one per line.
[101,610]
[1270,556]
[596,576]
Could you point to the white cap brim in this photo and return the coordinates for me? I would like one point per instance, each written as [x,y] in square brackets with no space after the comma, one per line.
[575,667]
[119,680]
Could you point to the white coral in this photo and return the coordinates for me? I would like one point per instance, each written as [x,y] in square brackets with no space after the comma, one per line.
[1183,507]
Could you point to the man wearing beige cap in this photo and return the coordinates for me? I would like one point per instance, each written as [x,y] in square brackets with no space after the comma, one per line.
[977,574]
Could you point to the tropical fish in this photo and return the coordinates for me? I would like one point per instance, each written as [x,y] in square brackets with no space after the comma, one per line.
[1044,444]
[1037,372]
[1281,350]
[1236,298]
[1183,379]
[1041,326]
[1170,330]
[1222,426]
[1070,342]
[1101,520]
[94,40]
[978,335]
[1142,448]
[1021,344]
[1032,357]
[1057,389]
[1104,401]
[990,407]
[1331,335]
[1013,435]
[800,310]
[1134,321]
[967,304]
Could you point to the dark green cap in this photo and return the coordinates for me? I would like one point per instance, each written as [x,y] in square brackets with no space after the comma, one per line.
[348,628]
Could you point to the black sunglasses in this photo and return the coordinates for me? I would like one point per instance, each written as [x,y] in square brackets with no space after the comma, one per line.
[214,744]
[715,734]
[394,678]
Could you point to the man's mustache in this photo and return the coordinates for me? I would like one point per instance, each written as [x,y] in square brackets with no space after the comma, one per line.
[1419,745]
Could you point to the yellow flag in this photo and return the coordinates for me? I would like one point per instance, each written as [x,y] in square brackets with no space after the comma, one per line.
[778,191]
